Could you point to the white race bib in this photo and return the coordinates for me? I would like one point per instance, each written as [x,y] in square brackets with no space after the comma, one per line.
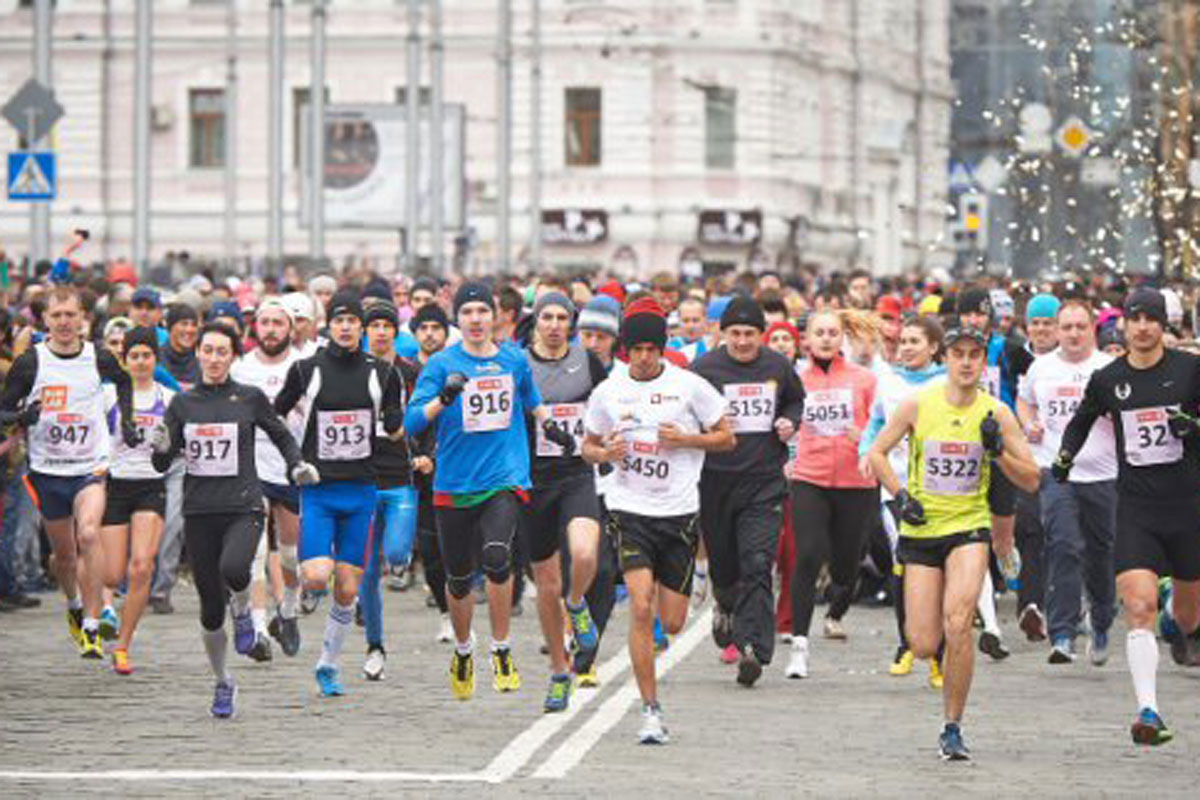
[1148,438]
[211,449]
[645,469]
[991,381]
[952,467]
[1059,407]
[69,436]
[751,406]
[830,412]
[344,435]
[487,404]
[569,418]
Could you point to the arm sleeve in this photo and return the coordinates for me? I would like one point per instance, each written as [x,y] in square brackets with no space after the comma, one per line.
[1089,410]
[292,391]
[111,370]
[874,425]
[793,397]
[162,461]
[428,386]
[19,381]
[165,378]
[276,430]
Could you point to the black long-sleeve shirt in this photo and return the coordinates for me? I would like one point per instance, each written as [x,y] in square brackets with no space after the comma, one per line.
[213,425]
[393,459]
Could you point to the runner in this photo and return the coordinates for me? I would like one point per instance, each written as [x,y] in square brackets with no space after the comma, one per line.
[1151,395]
[56,384]
[212,426]
[655,422]
[957,435]
[742,491]
[348,395]
[137,493]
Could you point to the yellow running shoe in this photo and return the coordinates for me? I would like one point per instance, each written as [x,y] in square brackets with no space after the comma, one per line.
[504,671]
[589,679]
[120,662]
[935,674]
[462,675]
[75,625]
[903,664]
[89,645]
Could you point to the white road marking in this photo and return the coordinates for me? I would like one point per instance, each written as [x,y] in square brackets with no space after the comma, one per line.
[303,776]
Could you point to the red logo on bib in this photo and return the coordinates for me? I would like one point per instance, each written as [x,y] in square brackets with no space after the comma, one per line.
[54,398]
[484,384]
[209,430]
[954,449]
[645,447]
[749,391]
[344,419]
[1152,415]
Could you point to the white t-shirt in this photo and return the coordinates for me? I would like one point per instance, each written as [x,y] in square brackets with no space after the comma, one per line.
[652,480]
[253,371]
[1055,387]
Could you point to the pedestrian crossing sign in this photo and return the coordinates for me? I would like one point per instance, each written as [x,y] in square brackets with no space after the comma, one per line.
[32,177]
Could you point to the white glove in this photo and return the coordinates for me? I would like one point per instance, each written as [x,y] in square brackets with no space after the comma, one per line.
[160,438]
[305,474]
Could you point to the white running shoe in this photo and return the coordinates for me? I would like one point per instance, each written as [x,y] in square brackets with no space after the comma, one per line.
[798,664]
[446,631]
[653,731]
[373,667]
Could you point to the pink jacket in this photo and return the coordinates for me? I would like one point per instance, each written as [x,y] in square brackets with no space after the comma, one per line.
[836,403]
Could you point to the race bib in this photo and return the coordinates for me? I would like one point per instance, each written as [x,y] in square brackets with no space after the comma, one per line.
[344,435]
[212,450]
[567,417]
[487,404]
[69,436]
[991,381]
[751,406]
[829,412]
[952,467]
[1148,438]
[1060,406]
[645,469]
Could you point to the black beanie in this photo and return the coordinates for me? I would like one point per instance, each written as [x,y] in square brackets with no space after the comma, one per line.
[382,309]
[181,312]
[430,312]
[644,328]
[473,293]
[141,335]
[743,310]
[1149,301]
[344,302]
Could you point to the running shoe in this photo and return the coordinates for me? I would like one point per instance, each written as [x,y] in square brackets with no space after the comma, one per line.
[834,630]
[75,625]
[730,654]
[951,744]
[722,627]
[373,667]
[329,681]
[505,677]
[583,627]
[161,605]
[120,662]
[462,675]
[653,730]
[558,696]
[903,664]
[310,601]
[224,697]
[661,640]
[1149,728]
[936,679]
[286,631]
[261,651]
[1033,623]
[588,678]
[445,630]
[1098,648]
[1185,648]
[1063,652]
[785,637]
[749,667]
[89,645]
[110,624]
[798,663]
[244,635]
[990,644]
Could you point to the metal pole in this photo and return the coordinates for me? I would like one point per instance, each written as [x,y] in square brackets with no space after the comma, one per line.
[412,137]
[39,213]
[503,134]
[535,138]
[141,138]
[437,156]
[316,154]
[275,141]
[231,114]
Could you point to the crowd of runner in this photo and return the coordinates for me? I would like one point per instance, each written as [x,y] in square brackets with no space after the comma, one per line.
[779,443]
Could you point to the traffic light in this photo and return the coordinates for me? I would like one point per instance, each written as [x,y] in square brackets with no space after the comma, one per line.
[970,232]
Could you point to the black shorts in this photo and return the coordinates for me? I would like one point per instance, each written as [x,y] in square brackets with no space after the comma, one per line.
[664,545]
[128,496]
[551,507]
[1162,539]
[54,495]
[282,494]
[1002,495]
[934,552]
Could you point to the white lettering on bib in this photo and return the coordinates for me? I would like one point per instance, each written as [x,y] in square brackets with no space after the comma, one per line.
[569,418]
[751,406]
[344,435]
[830,412]
[1148,438]
[487,404]
[953,467]
[212,449]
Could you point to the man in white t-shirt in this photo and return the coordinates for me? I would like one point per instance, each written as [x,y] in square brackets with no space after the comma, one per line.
[1079,517]
[654,422]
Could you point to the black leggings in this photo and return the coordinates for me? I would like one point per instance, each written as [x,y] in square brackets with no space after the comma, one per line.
[221,547]
[831,526]
[431,558]
[479,536]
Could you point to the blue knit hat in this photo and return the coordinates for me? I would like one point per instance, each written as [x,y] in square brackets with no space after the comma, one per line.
[1041,306]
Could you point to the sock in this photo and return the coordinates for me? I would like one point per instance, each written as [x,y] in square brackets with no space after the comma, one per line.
[215,645]
[987,606]
[499,644]
[291,602]
[464,648]
[91,624]
[576,608]
[75,604]
[259,615]
[1141,650]
[336,627]
[109,610]
[239,602]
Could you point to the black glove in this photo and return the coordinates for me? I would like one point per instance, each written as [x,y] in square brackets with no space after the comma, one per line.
[1183,426]
[1060,470]
[911,510]
[131,434]
[29,416]
[989,434]
[558,436]
[455,383]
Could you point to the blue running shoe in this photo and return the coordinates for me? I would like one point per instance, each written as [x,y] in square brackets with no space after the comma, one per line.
[1149,728]
[244,636]
[661,641]
[330,682]
[951,744]
[223,699]
[110,624]
[583,627]
[559,695]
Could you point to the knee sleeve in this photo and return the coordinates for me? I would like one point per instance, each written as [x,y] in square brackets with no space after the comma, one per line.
[289,557]
[459,587]
[497,561]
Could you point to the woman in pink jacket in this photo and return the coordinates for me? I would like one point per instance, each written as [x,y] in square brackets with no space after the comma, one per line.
[832,503]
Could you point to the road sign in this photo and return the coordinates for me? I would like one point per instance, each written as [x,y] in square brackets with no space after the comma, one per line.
[32,177]
[961,179]
[1074,137]
[32,111]
[990,174]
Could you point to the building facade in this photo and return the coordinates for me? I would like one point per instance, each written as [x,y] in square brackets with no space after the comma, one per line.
[702,133]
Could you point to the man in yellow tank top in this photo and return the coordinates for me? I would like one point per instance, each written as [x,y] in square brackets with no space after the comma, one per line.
[957,435]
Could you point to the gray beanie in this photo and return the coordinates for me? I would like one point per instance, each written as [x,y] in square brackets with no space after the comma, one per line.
[554,299]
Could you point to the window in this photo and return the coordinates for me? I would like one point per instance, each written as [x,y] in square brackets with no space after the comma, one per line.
[422,96]
[206,111]
[720,127]
[300,112]
[583,116]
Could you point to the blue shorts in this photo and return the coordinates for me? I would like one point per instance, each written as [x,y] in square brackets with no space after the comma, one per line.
[335,521]
[54,495]
[284,494]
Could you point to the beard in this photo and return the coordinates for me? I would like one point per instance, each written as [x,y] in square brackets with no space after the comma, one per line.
[273,349]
